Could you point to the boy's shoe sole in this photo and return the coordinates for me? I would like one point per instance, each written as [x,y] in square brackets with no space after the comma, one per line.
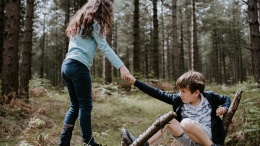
[126,137]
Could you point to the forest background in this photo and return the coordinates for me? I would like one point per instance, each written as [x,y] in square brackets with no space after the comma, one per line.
[158,40]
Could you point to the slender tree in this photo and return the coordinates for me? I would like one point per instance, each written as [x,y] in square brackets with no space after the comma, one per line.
[155,41]
[255,38]
[42,47]
[66,21]
[2,32]
[182,42]
[163,40]
[114,40]
[10,54]
[188,32]
[176,62]
[194,48]
[25,68]
[136,43]
[107,67]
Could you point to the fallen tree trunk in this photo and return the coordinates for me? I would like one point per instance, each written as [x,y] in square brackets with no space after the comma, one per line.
[227,118]
[156,126]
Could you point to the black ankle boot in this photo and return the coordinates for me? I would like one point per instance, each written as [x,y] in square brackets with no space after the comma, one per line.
[128,138]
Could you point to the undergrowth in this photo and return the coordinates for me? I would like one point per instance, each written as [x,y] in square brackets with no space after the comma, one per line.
[39,121]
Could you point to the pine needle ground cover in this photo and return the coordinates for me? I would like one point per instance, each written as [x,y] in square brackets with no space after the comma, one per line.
[39,121]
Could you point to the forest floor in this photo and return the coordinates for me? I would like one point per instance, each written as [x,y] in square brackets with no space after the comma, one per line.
[39,121]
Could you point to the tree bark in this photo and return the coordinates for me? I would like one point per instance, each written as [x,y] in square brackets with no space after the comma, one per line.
[255,38]
[107,67]
[42,47]
[194,49]
[25,69]
[114,38]
[10,54]
[176,62]
[227,119]
[2,5]
[136,43]
[157,125]
[66,21]
[182,42]
[155,41]
[189,32]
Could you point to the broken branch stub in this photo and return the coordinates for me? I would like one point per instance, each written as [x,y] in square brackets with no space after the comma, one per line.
[227,118]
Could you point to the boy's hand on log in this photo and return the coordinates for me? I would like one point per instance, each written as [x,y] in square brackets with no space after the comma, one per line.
[129,78]
[221,111]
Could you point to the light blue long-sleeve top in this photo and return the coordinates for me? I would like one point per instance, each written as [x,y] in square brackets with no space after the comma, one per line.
[84,49]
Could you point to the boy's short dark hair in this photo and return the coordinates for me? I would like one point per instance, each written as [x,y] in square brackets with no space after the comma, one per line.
[191,80]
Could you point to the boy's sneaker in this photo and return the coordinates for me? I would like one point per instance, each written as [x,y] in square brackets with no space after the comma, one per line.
[128,138]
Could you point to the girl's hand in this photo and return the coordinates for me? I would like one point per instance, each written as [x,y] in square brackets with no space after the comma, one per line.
[129,78]
[124,71]
[221,111]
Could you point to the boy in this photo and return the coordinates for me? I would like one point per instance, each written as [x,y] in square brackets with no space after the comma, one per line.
[197,122]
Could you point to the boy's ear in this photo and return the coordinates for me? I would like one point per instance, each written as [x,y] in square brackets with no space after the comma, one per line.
[197,92]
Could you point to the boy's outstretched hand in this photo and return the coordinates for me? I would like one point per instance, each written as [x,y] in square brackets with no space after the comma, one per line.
[129,78]
[221,111]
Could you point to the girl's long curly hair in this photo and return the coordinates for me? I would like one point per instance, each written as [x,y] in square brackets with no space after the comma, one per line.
[82,22]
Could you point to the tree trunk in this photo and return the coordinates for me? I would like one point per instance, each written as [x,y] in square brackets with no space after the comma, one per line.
[163,41]
[182,43]
[25,69]
[255,38]
[146,60]
[115,71]
[258,8]
[176,62]
[10,54]
[136,43]
[107,67]
[2,5]
[217,52]
[42,56]
[194,42]
[227,118]
[156,126]
[66,21]
[107,71]
[155,41]
[223,50]
[189,33]
[169,59]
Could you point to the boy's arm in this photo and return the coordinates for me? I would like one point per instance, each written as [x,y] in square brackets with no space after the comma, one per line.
[152,91]
[156,93]
[226,101]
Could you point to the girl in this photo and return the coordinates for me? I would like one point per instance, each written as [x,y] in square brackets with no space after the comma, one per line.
[87,30]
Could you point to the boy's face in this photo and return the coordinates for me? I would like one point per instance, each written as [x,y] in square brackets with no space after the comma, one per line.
[187,96]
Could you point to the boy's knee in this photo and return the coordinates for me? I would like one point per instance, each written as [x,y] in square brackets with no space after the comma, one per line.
[187,124]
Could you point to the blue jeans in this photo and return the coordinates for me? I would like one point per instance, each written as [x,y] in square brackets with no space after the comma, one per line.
[78,81]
